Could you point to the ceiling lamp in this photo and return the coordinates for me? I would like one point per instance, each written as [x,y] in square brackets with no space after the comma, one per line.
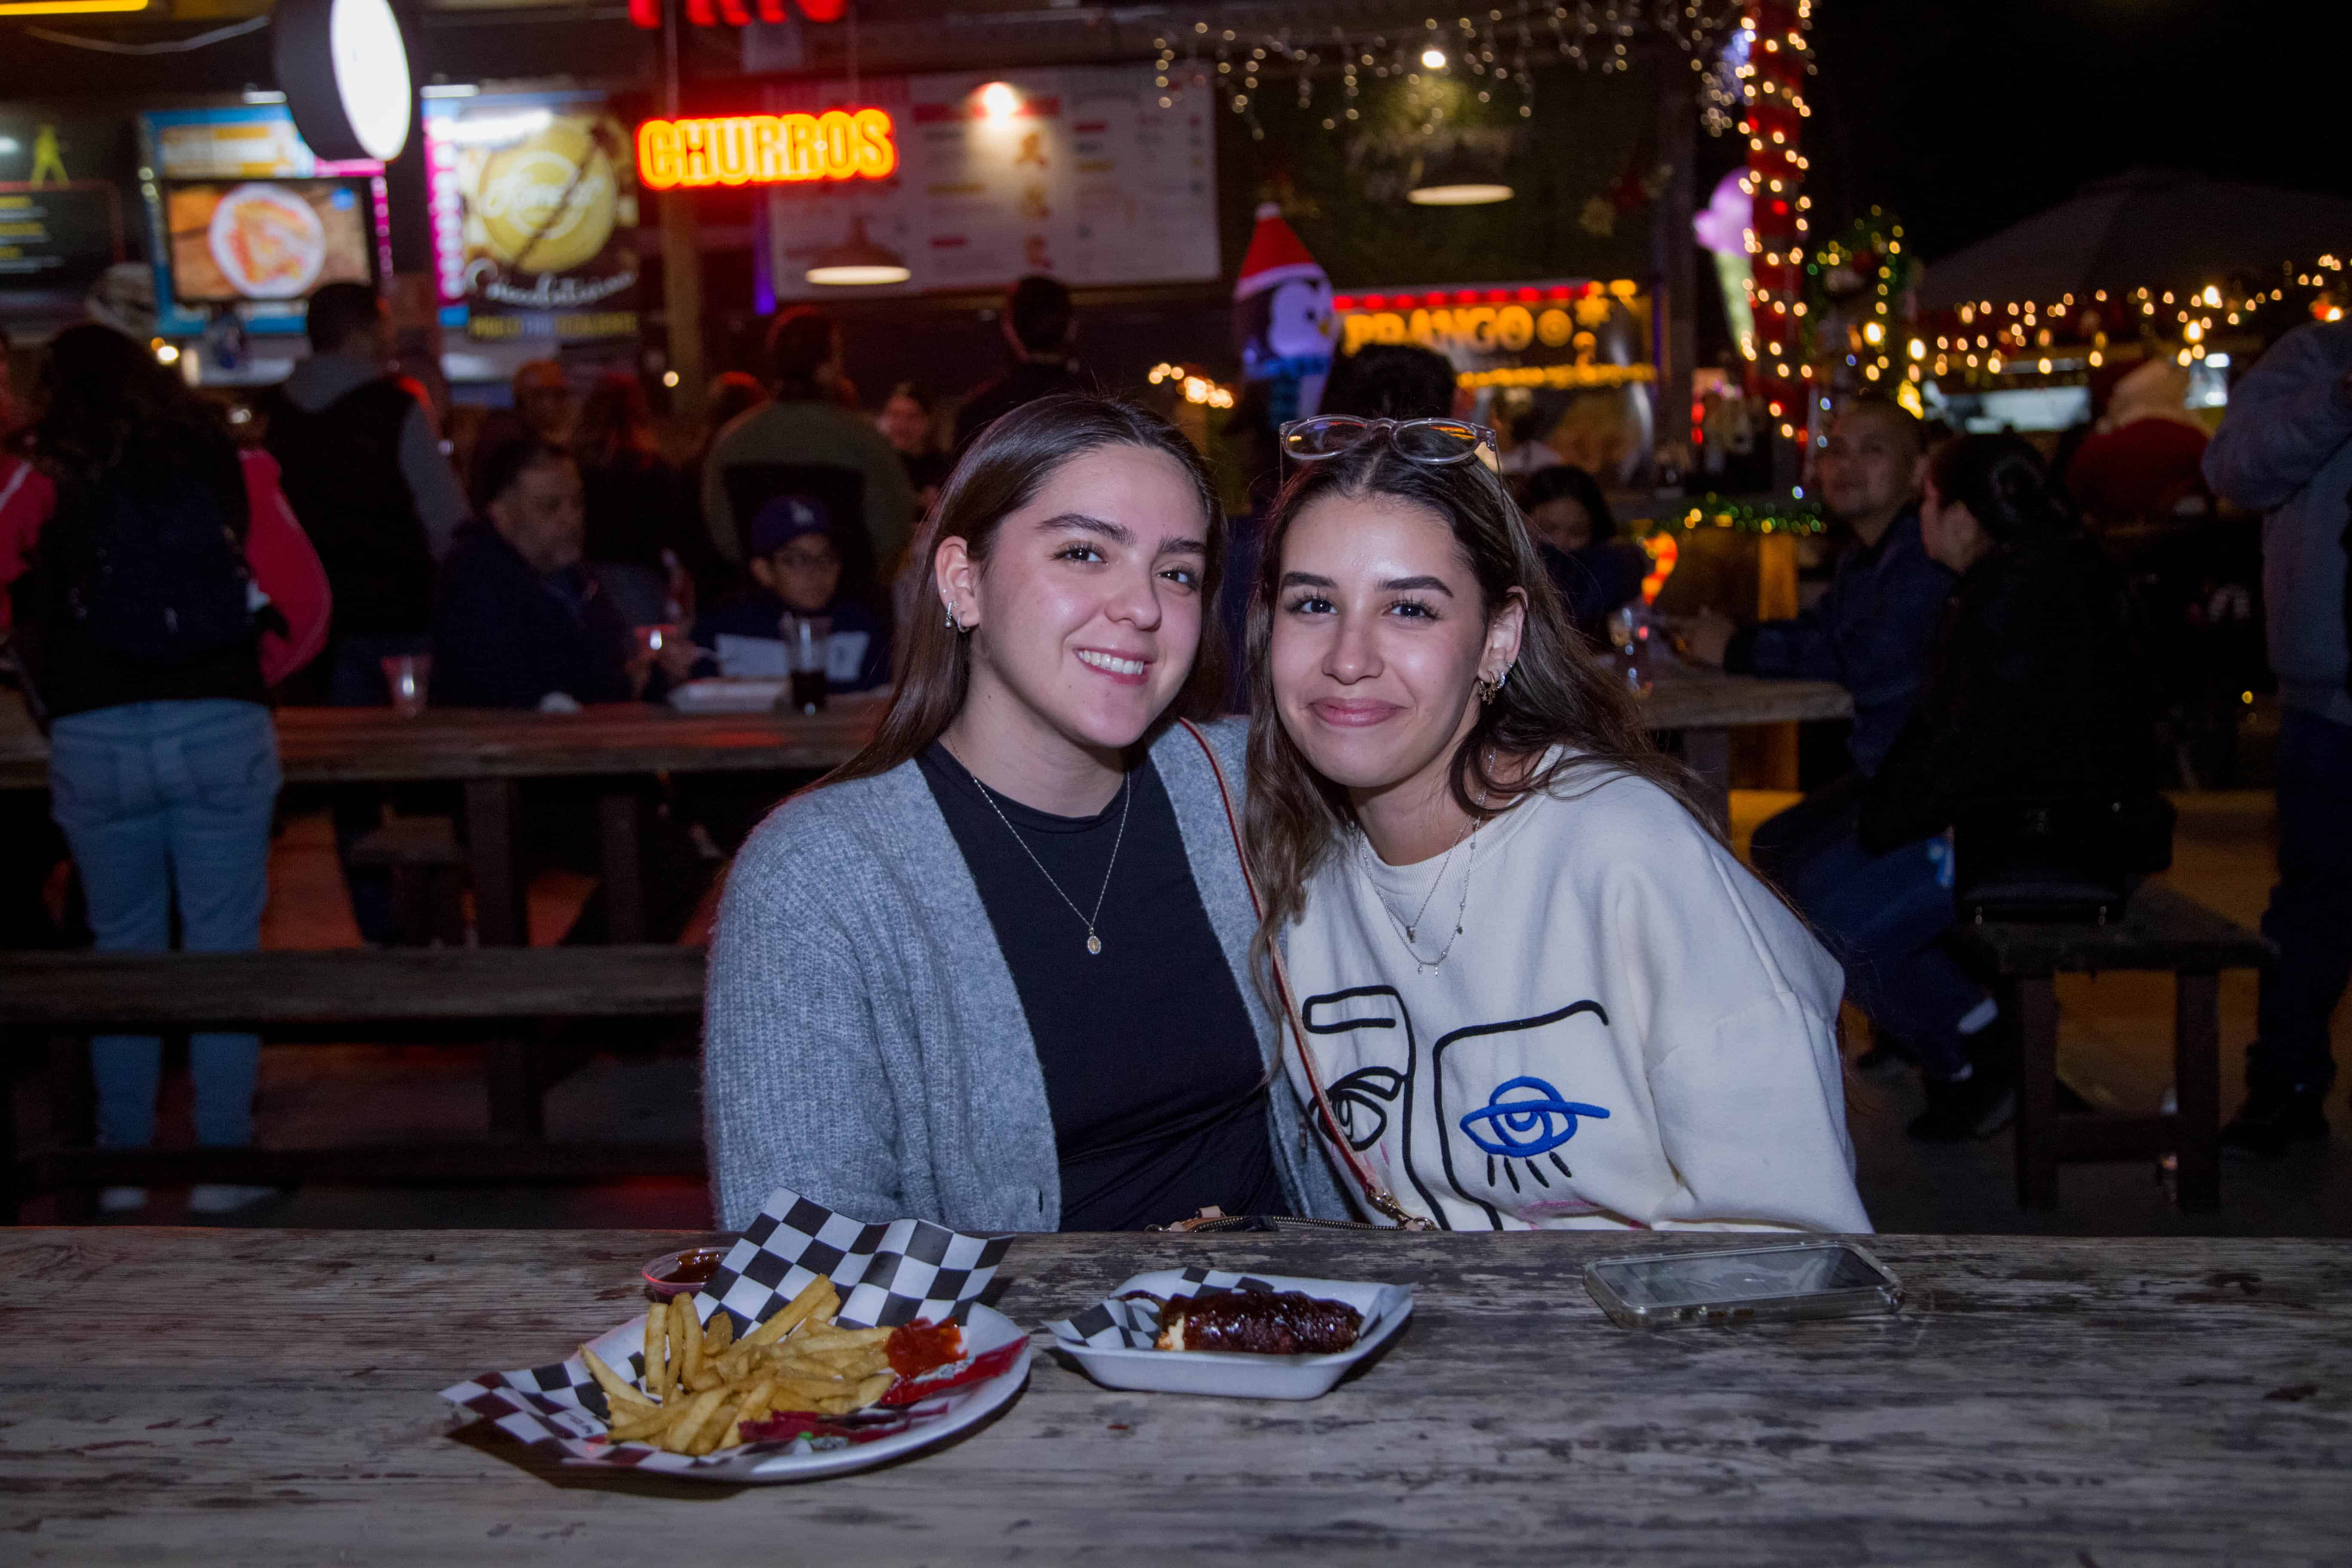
[1457,180]
[858,262]
[344,70]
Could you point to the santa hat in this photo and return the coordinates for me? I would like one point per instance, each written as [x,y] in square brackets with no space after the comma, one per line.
[1275,256]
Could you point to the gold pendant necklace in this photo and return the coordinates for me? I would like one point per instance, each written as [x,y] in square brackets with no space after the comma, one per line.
[1127,793]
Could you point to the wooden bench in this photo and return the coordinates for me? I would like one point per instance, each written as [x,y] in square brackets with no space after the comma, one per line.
[2161,930]
[428,868]
[450,994]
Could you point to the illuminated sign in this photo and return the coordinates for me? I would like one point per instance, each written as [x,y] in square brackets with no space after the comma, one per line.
[1477,327]
[647,14]
[767,148]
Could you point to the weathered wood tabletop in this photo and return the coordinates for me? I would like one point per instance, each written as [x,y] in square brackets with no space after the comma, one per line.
[329,745]
[269,1396]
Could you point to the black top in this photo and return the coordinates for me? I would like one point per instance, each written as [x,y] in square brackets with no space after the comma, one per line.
[1152,1071]
[75,670]
[2035,694]
[340,468]
[505,634]
[1026,382]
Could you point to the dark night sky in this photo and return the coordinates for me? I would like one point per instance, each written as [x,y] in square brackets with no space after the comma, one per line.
[1962,116]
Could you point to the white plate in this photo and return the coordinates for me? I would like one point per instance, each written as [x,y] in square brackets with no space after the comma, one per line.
[986,1329]
[717,694]
[564,1425]
[1385,1308]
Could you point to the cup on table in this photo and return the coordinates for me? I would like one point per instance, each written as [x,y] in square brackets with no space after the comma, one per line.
[807,639]
[409,675]
[1634,644]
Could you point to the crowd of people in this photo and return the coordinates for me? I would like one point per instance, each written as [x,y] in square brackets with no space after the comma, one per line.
[1332,814]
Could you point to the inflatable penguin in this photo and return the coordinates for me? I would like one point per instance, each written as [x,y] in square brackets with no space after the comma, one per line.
[1283,321]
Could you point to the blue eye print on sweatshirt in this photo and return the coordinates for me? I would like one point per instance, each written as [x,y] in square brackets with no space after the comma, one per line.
[1522,1119]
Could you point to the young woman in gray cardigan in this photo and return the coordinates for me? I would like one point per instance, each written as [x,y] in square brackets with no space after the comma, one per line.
[994,972]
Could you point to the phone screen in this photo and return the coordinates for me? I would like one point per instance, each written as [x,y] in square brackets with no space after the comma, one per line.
[1760,1274]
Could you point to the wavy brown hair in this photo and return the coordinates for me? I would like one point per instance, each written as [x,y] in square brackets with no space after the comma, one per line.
[1558,694]
[998,475]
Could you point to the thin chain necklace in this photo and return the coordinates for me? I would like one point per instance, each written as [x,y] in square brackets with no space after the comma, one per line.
[1127,795]
[1411,929]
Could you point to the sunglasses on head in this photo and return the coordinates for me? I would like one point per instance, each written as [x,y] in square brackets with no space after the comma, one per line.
[1440,443]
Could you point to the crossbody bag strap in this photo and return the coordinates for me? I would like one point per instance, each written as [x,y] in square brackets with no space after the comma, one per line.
[1376,1192]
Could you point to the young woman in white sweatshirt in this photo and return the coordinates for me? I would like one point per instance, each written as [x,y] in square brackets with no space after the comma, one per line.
[1538,989]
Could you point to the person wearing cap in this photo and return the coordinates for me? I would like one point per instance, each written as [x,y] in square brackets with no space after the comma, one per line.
[796,562]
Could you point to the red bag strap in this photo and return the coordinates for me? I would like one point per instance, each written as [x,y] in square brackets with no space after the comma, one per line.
[1376,1192]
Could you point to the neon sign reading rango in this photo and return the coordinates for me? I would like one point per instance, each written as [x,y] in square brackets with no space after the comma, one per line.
[767,148]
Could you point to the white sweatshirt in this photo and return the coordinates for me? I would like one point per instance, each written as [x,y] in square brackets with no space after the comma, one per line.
[1630,1030]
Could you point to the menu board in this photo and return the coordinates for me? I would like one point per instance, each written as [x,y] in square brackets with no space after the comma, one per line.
[1077,174]
[534,216]
[60,199]
[246,218]
[58,237]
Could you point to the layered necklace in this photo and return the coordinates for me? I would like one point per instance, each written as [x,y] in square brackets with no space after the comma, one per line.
[1409,930]
[1127,796]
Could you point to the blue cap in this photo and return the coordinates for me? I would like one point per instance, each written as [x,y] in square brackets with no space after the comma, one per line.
[785,518]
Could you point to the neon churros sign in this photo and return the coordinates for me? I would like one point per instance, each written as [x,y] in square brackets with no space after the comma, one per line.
[767,148]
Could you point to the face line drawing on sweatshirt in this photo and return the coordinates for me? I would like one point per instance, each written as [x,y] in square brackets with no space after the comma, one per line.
[1521,1118]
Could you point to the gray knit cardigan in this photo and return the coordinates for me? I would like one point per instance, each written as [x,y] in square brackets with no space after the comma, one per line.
[864,1044]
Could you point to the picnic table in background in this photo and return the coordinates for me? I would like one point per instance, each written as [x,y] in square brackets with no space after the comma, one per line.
[492,751]
[2038,1400]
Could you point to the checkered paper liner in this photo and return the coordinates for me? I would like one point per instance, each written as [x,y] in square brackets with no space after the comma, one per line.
[1114,1324]
[887,1275]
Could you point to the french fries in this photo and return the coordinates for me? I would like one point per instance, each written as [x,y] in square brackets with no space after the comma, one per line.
[702,1384]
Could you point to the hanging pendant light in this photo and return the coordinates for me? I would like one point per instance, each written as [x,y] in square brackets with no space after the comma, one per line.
[1458,180]
[858,262]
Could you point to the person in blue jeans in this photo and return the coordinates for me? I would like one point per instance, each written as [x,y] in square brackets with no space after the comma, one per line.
[2286,449]
[159,586]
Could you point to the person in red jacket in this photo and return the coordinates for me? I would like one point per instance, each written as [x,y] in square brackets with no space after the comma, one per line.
[159,586]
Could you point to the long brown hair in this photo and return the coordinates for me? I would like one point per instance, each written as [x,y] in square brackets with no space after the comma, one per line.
[998,475]
[1559,694]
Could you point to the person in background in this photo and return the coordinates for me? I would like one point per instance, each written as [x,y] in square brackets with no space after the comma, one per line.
[2142,460]
[543,401]
[1594,570]
[543,408]
[906,423]
[1390,381]
[2033,700]
[1528,453]
[798,568]
[1871,632]
[1040,326]
[804,442]
[731,395]
[637,540]
[361,464]
[519,622]
[155,678]
[2286,449]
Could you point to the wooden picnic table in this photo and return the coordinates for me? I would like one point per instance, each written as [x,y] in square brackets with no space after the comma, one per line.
[269,1396]
[491,752]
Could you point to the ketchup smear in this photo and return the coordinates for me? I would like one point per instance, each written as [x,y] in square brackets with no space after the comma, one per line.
[920,1347]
